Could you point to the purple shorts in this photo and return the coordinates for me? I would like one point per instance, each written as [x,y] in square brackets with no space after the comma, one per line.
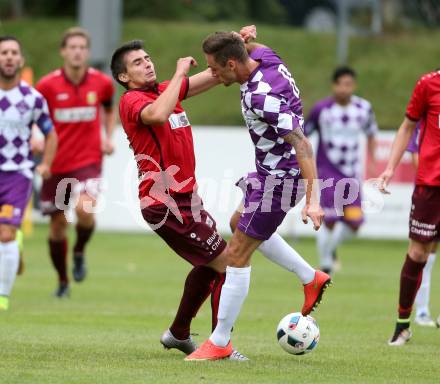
[266,202]
[58,192]
[193,235]
[342,201]
[15,191]
[424,219]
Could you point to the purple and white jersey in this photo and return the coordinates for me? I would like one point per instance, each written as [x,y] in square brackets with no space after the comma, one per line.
[272,108]
[339,128]
[20,107]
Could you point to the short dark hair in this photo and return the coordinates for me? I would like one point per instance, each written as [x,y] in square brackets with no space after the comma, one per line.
[117,64]
[73,32]
[11,38]
[343,71]
[224,46]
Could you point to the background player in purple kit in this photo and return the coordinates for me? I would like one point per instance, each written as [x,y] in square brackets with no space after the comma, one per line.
[423,314]
[20,107]
[340,120]
[285,173]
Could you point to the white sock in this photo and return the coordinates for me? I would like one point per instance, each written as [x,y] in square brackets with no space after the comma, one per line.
[280,252]
[422,298]
[234,292]
[341,232]
[9,261]
[323,237]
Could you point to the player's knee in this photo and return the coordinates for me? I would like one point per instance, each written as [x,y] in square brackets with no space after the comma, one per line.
[7,233]
[418,253]
[219,263]
[58,226]
[236,258]
[84,214]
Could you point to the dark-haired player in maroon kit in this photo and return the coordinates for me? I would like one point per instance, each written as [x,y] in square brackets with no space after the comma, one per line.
[424,222]
[160,135]
[77,97]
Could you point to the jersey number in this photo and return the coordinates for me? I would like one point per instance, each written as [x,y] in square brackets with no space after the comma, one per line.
[286,74]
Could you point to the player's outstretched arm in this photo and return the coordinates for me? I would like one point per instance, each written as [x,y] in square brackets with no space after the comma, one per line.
[307,165]
[201,82]
[398,148]
[158,112]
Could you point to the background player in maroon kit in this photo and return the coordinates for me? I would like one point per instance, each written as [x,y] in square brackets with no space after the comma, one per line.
[77,95]
[422,311]
[424,223]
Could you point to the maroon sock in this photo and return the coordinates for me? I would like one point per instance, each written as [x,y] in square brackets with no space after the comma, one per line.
[83,235]
[197,289]
[410,280]
[215,297]
[58,254]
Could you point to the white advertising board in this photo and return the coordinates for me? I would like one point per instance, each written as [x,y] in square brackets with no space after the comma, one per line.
[223,155]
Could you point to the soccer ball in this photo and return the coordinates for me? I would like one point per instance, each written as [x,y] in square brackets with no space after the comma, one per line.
[298,334]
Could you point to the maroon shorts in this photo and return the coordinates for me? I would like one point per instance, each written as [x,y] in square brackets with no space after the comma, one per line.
[424,219]
[59,192]
[187,228]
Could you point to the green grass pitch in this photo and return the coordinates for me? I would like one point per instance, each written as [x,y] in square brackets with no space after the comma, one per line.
[108,331]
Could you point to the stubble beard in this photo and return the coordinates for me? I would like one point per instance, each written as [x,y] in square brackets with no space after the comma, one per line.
[8,77]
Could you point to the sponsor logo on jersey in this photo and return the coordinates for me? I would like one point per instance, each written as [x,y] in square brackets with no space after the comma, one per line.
[178,120]
[62,96]
[91,97]
[74,115]
[22,107]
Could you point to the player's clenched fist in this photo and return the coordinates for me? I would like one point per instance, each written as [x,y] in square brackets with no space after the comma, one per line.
[184,64]
[248,33]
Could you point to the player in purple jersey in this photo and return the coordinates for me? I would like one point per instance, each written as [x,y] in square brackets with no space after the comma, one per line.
[423,314]
[20,107]
[340,120]
[285,172]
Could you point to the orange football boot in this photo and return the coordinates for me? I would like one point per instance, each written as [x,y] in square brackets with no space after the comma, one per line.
[313,291]
[210,351]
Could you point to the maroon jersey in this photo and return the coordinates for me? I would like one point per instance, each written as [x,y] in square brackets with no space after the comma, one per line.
[424,105]
[164,153]
[75,110]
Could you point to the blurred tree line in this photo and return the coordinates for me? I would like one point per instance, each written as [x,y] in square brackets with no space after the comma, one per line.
[270,11]
[294,12]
